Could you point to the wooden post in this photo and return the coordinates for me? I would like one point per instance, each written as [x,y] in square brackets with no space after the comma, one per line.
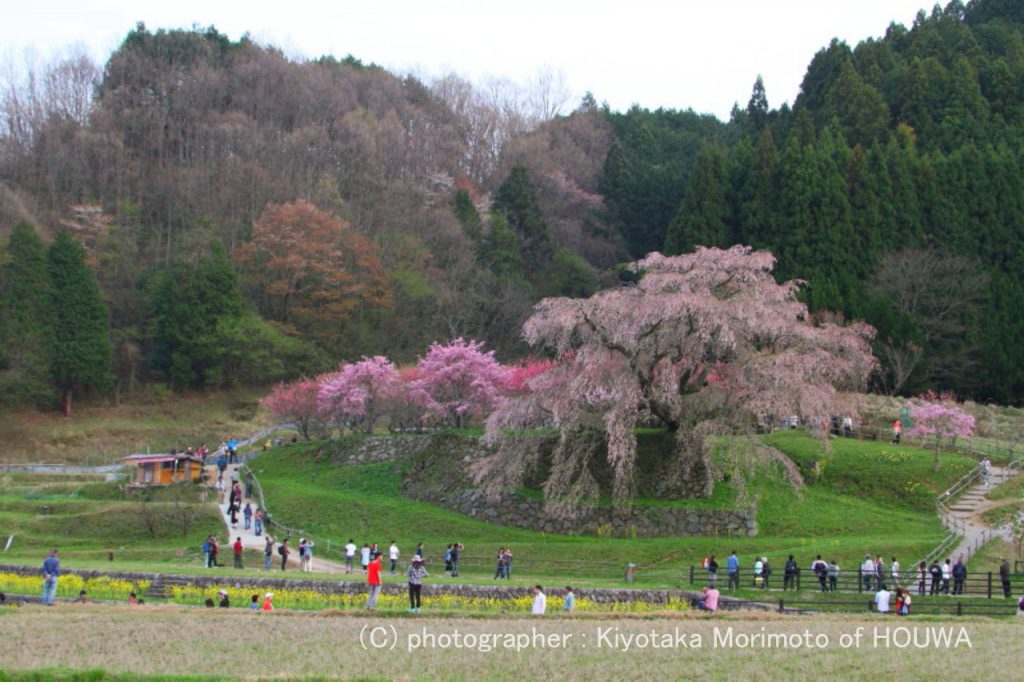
[990,584]
[959,608]
[782,606]
[691,575]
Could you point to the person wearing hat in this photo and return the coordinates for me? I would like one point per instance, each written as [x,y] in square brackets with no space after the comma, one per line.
[416,575]
[224,602]
[267,598]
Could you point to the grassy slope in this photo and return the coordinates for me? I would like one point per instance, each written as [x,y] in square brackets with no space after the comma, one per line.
[85,521]
[860,504]
[102,434]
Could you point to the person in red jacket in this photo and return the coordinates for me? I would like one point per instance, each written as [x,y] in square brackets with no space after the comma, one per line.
[237,547]
[373,579]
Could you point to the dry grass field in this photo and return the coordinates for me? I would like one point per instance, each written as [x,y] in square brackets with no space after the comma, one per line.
[173,641]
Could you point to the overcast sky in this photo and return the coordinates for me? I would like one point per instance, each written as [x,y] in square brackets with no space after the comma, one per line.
[702,54]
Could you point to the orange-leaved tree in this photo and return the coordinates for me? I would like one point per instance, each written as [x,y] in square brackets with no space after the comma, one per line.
[312,271]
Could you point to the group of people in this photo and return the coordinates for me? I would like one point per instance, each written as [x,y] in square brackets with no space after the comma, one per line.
[946,578]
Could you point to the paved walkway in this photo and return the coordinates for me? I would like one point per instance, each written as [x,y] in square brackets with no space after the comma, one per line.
[970,507]
[249,538]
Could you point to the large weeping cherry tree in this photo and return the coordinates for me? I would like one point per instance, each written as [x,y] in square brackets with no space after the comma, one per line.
[703,343]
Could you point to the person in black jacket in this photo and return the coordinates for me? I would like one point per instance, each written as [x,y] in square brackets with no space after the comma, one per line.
[959,576]
[789,574]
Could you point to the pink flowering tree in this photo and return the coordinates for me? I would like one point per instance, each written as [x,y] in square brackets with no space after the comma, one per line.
[704,343]
[458,381]
[940,419]
[297,403]
[359,393]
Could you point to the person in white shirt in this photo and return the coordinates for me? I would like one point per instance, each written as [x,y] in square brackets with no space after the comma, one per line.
[350,554]
[393,555]
[365,555]
[758,569]
[882,600]
[947,573]
[540,601]
[894,571]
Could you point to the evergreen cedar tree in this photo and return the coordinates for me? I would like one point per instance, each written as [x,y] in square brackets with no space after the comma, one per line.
[81,328]
[701,343]
[26,322]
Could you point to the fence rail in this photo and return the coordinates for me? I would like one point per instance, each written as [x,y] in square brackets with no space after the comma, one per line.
[988,584]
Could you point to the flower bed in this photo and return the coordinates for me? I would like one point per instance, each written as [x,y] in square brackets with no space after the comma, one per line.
[70,585]
[311,600]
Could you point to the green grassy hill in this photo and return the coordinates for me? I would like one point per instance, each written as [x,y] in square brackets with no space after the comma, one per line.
[870,497]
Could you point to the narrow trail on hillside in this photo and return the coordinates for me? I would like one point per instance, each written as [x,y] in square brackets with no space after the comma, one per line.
[248,535]
[969,509]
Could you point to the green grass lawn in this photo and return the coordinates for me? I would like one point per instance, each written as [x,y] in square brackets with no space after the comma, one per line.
[863,502]
[860,503]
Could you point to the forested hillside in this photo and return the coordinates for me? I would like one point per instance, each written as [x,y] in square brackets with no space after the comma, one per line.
[250,216]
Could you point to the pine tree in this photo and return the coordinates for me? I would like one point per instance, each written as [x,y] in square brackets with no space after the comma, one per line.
[26,324]
[81,331]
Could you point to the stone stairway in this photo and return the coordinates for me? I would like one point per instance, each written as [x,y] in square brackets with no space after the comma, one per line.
[968,510]
[160,587]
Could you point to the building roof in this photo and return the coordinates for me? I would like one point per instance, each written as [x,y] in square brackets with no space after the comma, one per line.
[157,458]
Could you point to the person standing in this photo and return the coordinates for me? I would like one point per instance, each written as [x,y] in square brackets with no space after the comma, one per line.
[867,572]
[789,572]
[1004,577]
[419,549]
[499,567]
[247,516]
[894,572]
[820,569]
[268,553]
[306,554]
[712,571]
[847,426]
[947,574]
[758,569]
[959,572]
[833,575]
[879,572]
[257,521]
[373,580]
[569,601]
[897,431]
[732,569]
[986,469]
[364,556]
[448,559]
[416,575]
[237,549]
[206,552]
[936,575]
[51,573]
[350,555]
[283,550]
[456,552]
[922,577]
[214,551]
[393,556]
[540,601]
